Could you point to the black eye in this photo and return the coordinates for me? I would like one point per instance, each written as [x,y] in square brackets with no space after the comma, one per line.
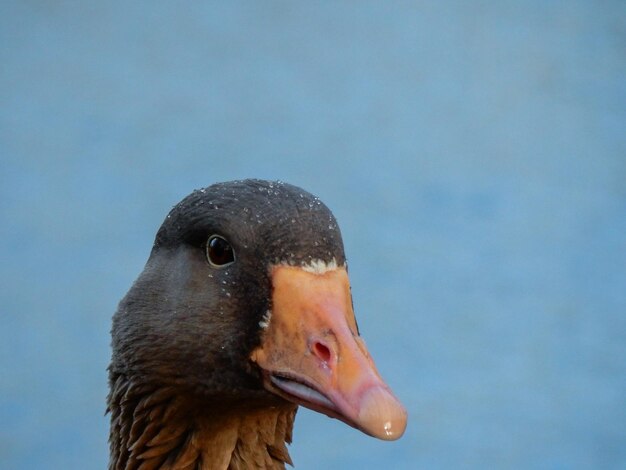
[219,252]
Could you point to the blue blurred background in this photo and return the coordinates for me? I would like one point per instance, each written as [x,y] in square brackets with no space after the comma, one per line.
[474,154]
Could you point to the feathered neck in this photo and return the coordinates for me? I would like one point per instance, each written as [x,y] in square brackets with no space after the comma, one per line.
[161,427]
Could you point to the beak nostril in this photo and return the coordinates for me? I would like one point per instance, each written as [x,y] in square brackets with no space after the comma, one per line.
[321,351]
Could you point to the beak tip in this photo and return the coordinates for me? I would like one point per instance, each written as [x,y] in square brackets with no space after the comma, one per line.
[381,415]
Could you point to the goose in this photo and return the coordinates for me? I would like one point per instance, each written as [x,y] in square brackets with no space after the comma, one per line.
[242,313]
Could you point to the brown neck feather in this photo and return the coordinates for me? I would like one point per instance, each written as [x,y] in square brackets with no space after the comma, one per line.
[160,427]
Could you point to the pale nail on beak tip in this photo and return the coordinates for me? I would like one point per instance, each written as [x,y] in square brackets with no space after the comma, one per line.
[382,415]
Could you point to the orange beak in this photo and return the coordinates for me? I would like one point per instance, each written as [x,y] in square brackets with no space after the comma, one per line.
[311,353]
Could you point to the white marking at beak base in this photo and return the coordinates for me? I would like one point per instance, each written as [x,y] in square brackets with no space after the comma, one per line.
[318,266]
[265,321]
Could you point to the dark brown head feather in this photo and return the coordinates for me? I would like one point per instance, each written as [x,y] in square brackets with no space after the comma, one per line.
[183,334]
